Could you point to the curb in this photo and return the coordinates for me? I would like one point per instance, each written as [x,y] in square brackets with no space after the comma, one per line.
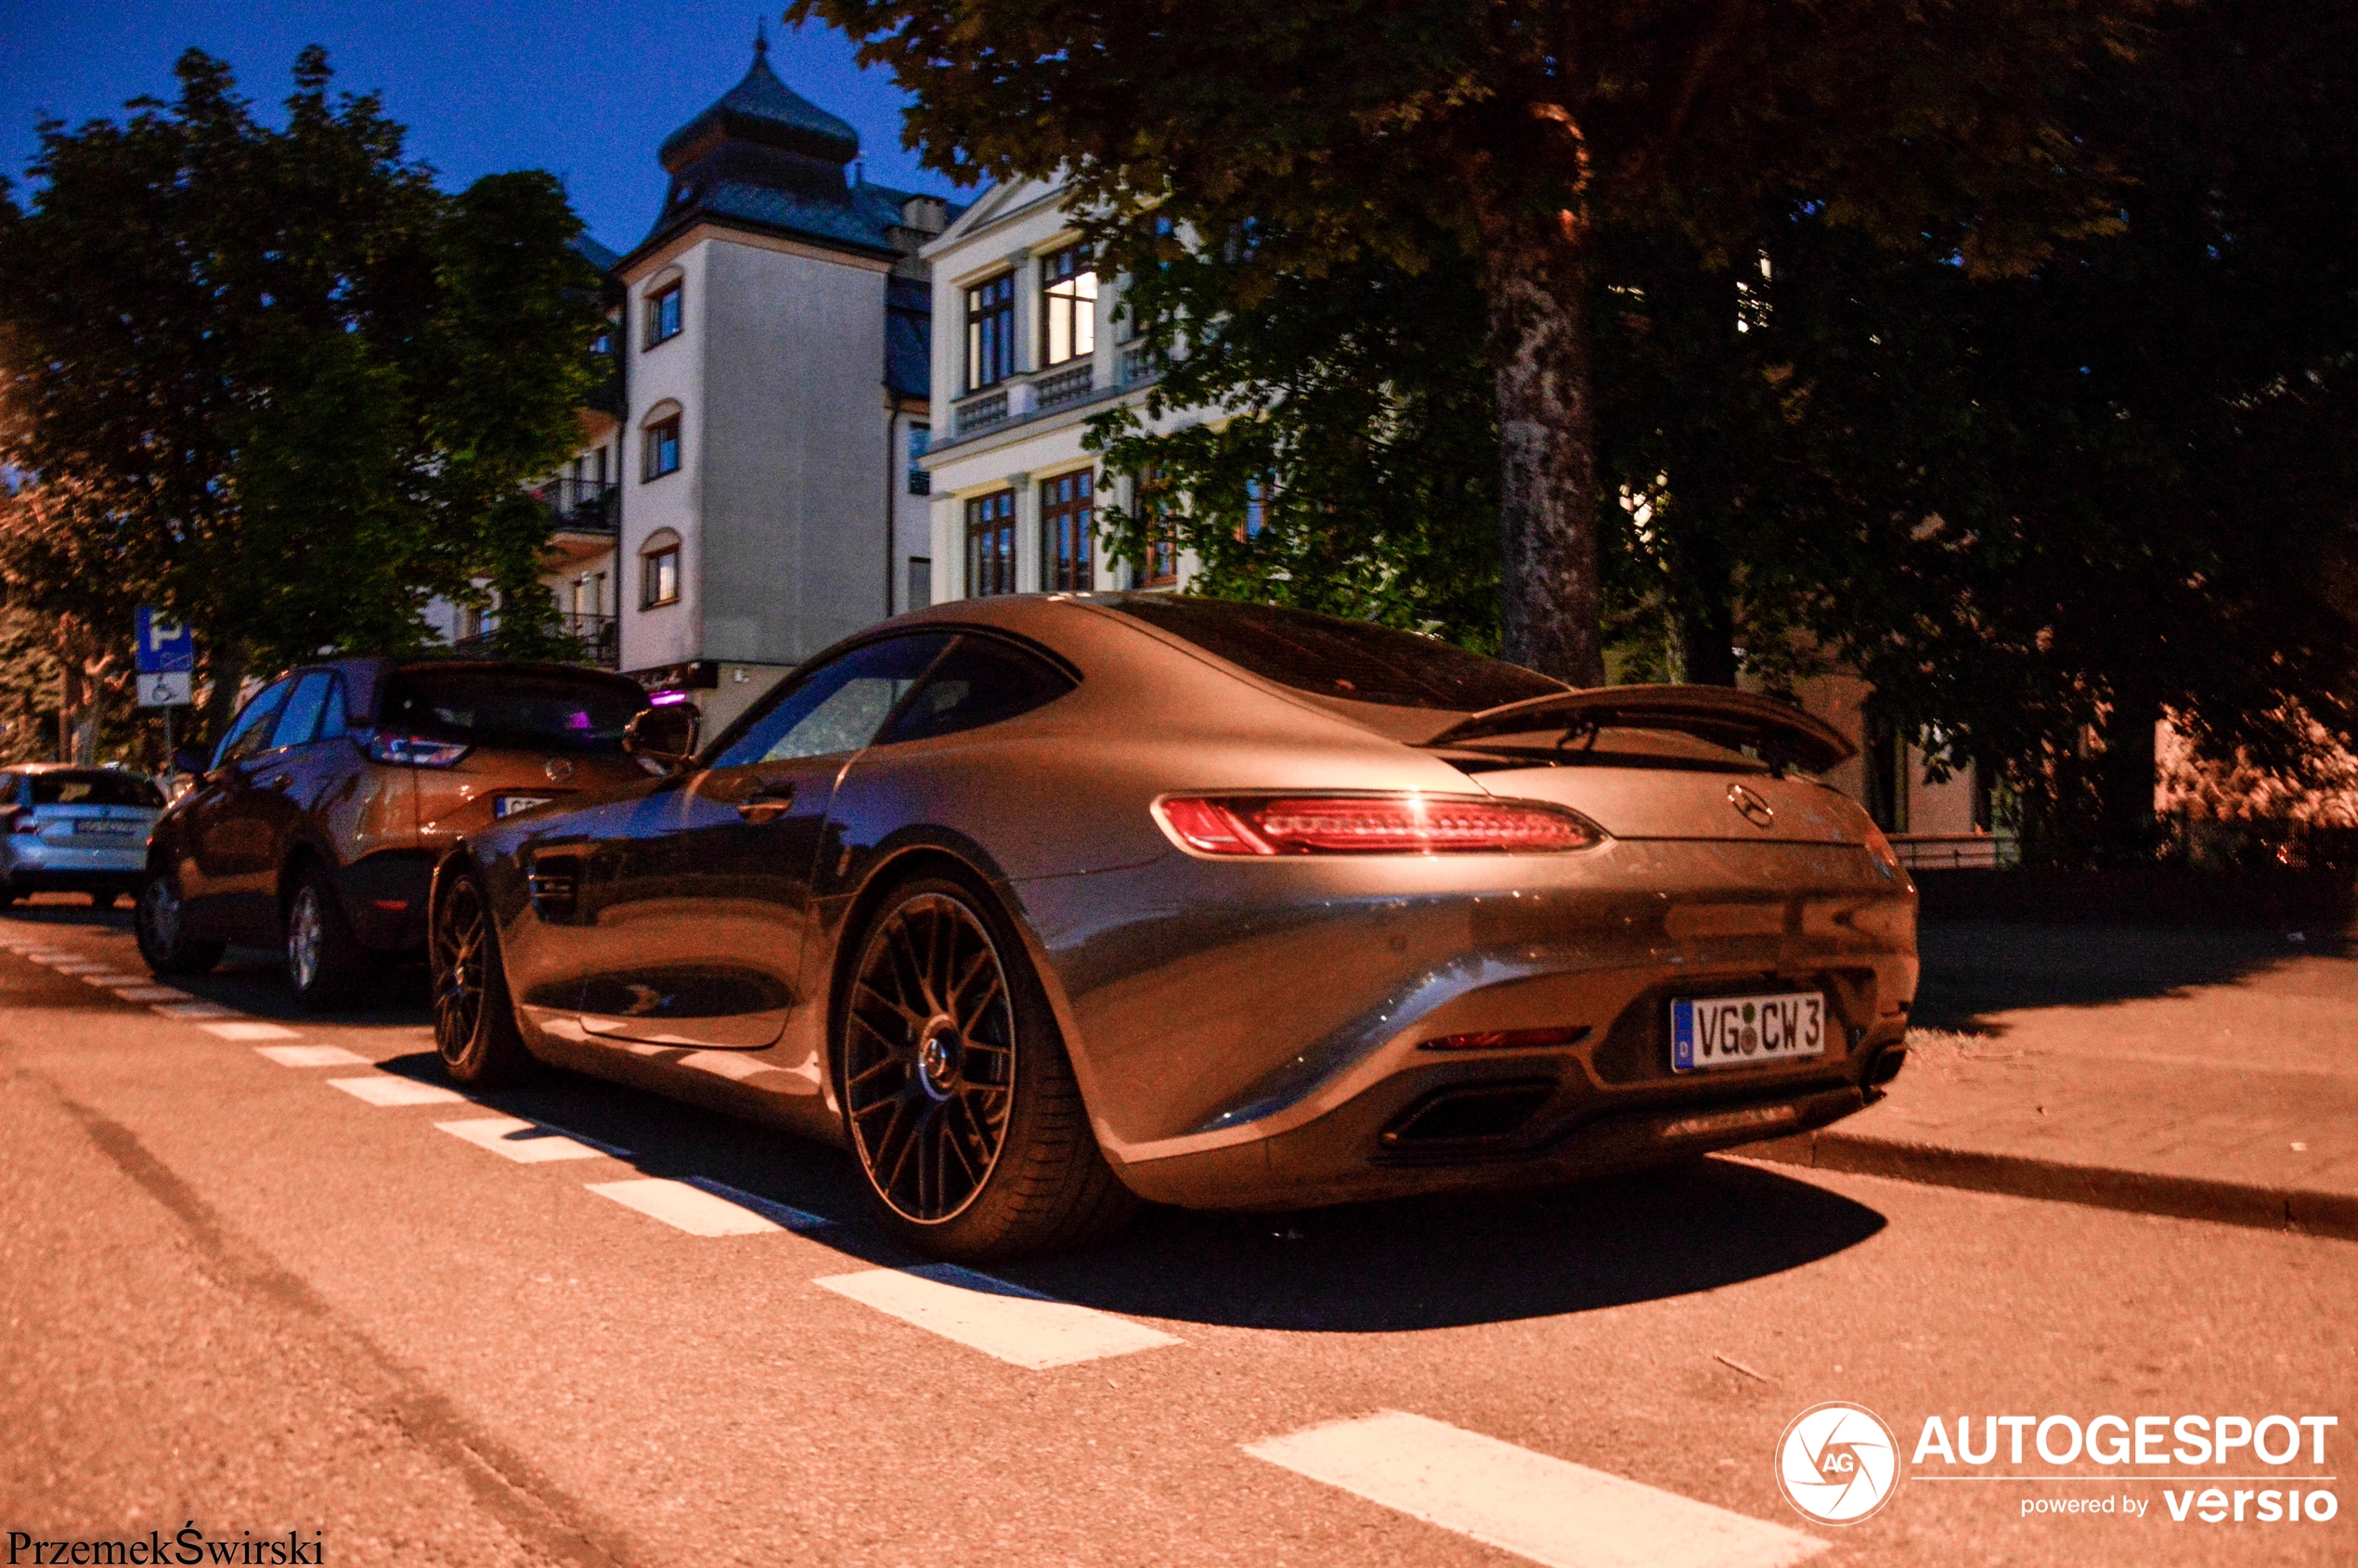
[2300,1210]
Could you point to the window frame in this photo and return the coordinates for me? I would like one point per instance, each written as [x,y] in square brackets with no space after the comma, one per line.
[991,302]
[650,553]
[1065,270]
[818,668]
[275,696]
[652,438]
[1158,566]
[1068,527]
[669,302]
[982,522]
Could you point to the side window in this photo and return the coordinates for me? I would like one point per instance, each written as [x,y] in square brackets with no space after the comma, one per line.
[9,785]
[333,720]
[838,705]
[299,719]
[250,730]
[982,681]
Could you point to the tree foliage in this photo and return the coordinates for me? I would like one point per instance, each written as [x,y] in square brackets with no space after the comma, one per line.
[273,379]
[1504,139]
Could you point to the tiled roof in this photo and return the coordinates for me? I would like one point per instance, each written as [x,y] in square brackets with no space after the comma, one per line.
[763,110]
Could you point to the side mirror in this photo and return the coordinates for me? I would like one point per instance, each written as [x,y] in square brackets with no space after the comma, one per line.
[665,736]
[191,760]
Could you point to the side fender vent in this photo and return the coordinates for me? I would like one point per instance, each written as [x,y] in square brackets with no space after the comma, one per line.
[554,883]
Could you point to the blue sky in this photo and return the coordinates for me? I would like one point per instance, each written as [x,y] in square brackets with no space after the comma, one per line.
[586,89]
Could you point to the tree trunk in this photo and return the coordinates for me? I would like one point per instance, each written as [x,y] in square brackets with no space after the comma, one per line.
[226,669]
[1551,609]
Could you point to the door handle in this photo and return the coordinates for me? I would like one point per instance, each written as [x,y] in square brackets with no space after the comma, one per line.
[767,803]
[280,780]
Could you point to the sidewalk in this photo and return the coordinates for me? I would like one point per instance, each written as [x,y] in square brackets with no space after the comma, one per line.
[2207,1074]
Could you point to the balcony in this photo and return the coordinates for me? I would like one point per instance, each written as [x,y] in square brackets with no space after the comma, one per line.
[981,414]
[1065,386]
[582,506]
[1956,851]
[1136,365]
[594,639]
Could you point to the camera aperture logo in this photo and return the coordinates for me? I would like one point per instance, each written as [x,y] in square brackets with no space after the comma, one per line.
[1837,1463]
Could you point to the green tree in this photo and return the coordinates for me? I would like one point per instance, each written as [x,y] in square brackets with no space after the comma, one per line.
[272,379]
[1506,137]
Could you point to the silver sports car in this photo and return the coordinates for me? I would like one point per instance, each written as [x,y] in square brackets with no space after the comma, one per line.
[1046,904]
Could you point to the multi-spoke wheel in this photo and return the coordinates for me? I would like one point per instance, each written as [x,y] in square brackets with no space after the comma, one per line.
[957,1094]
[474,1028]
[161,926]
[326,964]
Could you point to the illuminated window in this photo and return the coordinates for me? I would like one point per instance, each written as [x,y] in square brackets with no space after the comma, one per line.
[1068,306]
[1068,517]
[991,333]
[660,571]
[990,544]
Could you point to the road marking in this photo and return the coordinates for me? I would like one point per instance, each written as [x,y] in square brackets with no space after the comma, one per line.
[525,1143]
[143,992]
[312,1056]
[110,976]
[1535,1505]
[195,1010]
[250,1030]
[784,1214]
[995,1317]
[687,1208]
[386,1089]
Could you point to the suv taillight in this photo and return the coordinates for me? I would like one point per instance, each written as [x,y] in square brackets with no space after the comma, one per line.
[24,822]
[414,751]
[1392,824]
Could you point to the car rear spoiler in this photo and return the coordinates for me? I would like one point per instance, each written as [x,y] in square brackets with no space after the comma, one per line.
[1779,734]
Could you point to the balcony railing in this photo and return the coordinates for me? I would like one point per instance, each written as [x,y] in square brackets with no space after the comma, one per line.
[981,414]
[596,640]
[1956,851]
[1065,386]
[582,506]
[1137,365]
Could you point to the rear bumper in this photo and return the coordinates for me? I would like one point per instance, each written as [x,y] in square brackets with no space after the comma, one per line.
[385,895]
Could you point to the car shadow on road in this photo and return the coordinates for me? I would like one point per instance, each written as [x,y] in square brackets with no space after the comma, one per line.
[1421,1264]
[1976,969]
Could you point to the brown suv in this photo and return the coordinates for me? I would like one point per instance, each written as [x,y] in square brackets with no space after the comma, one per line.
[321,816]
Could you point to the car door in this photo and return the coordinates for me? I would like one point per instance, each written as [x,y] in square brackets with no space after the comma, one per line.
[281,776]
[693,903]
[229,831]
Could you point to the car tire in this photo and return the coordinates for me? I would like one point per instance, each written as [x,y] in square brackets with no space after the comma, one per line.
[948,1058]
[474,1021]
[160,924]
[326,962]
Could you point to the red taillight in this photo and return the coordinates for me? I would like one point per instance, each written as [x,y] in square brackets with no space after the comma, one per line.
[24,823]
[1509,1039]
[1390,824]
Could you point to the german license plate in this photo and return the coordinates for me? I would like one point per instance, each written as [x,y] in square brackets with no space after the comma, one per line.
[1716,1031]
[509,805]
[105,830]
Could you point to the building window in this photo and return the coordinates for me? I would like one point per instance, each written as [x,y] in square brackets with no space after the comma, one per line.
[920,441]
[1068,518]
[920,581]
[990,544]
[991,333]
[662,448]
[659,573]
[1159,567]
[1068,306]
[1258,491]
[663,315]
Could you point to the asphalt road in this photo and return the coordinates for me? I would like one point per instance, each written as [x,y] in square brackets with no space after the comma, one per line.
[236,1295]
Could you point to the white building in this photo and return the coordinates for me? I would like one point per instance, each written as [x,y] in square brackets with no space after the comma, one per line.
[1028,346]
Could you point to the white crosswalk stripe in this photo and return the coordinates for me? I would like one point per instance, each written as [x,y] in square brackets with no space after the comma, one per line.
[1535,1505]
[687,1208]
[526,1143]
[386,1089]
[312,1056]
[110,977]
[249,1030]
[142,991]
[995,1317]
[194,1010]
[785,1214]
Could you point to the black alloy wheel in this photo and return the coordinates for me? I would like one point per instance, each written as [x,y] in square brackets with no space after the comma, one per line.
[959,1100]
[474,1026]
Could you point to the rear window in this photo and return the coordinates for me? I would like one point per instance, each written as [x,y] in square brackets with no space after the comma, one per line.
[1350,661]
[493,707]
[96,788]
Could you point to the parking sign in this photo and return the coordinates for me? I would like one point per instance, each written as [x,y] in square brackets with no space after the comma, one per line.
[167,658]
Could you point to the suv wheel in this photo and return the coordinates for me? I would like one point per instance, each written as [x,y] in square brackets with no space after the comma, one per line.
[162,928]
[958,1098]
[474,1023]
[324,961]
